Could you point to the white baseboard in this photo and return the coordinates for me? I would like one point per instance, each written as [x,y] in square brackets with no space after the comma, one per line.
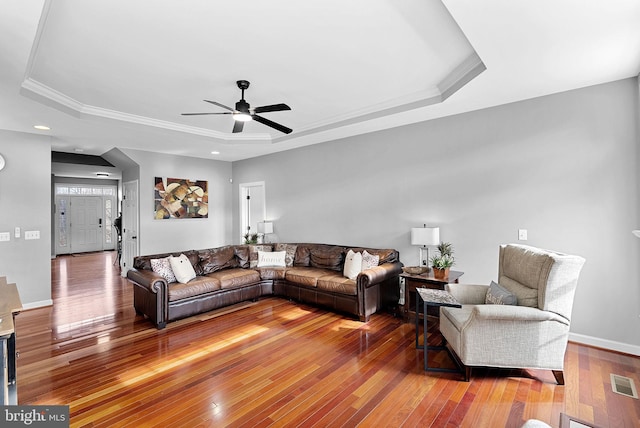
[40,304]
[604,343]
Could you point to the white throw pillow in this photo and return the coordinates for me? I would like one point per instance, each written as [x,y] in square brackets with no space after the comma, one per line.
[352,264]
[182,268]
[163,268]
[369,260]
[272,258]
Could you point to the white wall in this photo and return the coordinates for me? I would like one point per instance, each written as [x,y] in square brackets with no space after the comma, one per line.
[158,236]
[562,166]
[25,202]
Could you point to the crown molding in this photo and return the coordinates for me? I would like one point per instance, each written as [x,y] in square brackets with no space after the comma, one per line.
[56,99]
[465,72]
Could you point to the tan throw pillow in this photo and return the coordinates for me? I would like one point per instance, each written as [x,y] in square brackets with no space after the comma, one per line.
[163,268]
[290,250]
[369,260]
[182,268]
[352,264]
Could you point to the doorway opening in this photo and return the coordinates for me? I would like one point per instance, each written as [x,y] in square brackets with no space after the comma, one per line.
[252,208]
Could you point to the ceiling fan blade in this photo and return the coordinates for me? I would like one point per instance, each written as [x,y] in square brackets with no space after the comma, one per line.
[272,124]
[198,114]
[237,126]
[273,107]
[219,105]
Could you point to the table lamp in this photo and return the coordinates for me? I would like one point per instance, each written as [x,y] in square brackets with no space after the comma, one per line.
[425,236]
[264,228]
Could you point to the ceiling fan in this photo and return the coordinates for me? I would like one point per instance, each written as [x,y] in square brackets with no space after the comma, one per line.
[242,113]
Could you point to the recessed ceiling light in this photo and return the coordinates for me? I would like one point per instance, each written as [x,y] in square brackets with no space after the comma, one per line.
[78,150]
[42,127]
[215,152]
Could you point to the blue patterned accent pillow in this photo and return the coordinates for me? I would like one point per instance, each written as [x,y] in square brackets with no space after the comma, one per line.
[498,295]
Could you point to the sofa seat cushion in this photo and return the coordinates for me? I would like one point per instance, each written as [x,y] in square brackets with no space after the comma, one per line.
[336,283]
[198,285]
[306,276]
[234,278]
[272,272]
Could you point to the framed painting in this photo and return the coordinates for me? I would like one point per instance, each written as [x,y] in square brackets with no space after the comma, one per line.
[180,198]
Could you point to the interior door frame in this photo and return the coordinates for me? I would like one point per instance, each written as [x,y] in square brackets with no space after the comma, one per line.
[130,226]
[244,190]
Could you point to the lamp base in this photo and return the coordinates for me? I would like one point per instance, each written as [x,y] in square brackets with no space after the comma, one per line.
[422,261]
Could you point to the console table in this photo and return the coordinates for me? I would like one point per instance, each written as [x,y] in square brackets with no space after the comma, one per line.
[424,280]
[10,306]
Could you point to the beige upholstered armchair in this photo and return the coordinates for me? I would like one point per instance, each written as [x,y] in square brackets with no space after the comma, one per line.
[533,333]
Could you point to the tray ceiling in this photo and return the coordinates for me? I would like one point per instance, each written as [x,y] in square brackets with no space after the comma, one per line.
[120,73]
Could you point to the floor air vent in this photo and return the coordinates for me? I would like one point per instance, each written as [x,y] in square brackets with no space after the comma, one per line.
[623,386]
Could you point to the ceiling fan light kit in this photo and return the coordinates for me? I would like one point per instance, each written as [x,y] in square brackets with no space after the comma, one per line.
[242,117]
[242,113]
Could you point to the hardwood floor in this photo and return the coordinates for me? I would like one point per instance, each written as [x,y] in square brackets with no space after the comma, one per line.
[276,363]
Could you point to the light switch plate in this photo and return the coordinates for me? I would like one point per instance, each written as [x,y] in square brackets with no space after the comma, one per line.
[5,236]
[522,234]
[31,234]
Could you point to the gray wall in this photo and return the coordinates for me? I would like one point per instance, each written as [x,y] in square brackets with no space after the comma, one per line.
[562,166]
[25,202]
[157,236]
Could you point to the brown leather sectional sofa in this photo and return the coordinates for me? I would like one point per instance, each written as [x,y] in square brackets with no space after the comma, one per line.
[229,275]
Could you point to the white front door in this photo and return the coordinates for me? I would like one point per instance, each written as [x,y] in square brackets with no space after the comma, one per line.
[130,246]
[86,224]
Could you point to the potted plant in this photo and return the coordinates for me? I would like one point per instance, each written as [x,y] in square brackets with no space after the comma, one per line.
[443,261]
[250,238]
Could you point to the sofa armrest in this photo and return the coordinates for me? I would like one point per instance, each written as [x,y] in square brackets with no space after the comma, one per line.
[514,313]
[148,279]
[468,294]
[378,274]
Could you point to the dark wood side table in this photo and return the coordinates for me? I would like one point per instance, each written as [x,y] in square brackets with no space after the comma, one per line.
[425,280]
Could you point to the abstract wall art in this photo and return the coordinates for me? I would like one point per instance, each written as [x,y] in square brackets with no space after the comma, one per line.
[180,198]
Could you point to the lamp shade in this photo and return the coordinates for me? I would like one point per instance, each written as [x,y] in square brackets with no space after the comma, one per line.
[425,236]
[265,227]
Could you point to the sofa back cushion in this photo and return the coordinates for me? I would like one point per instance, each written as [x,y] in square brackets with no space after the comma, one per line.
[386,255]
[215,259]
[242,254]
[326,256]
[290,252]
[303,256]
[329,257]
[144,262]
